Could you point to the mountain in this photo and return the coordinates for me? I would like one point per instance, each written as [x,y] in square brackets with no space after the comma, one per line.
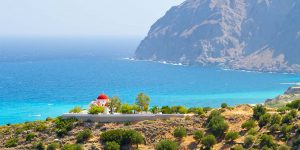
[262,35]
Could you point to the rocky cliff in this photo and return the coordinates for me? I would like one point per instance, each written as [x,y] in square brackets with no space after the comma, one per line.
[261,35]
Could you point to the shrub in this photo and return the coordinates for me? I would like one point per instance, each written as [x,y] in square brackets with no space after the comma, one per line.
[166,110]
[267,141]
[274,128]
[286,129]
[252,131]
[179,109]
[258,111]
[113,136]
[264,120]
[132,137]
[249,124]
[296,143]
[288,118]
[72,147]
[180,132]
[249,140]
[41,127]
[206,109]
[39,146]
[293,113]
[283,109]
[126,109]
[231,136]
[154,109]
[213,113]
[209,141]
[122,136]
[283,147]
[224,105]
[112,146]
[166,145]
[96,109]
[276,119]
[63,126]
[218,126]
[11,142]
[198,135]
[30,136]
[294,104]
[76,109]
[238,147]
[53,146]
[84,135]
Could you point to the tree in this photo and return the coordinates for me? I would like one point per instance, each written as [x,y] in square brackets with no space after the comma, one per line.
[166,110]
[112,146]
[166,145]
[114,103]
[264,120]
[258,111]
[96,109]
[224,105]
[154,109]
[209,141]
[126,109]
[198,135]
[143,100]
[180,132]
[84,135]
[135,108]
[231,136]
[76,109]
[249,124]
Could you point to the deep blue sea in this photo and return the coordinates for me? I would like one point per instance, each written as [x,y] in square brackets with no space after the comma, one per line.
[48,76]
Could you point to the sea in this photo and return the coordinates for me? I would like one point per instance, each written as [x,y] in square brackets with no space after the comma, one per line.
[46,77]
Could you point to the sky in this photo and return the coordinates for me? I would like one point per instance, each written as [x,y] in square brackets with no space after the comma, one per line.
[122,18]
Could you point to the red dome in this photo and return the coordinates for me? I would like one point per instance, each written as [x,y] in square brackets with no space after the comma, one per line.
[102,96]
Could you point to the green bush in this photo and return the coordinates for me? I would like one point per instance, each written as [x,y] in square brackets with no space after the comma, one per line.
[288,118]
[283,109]
[274,128]
[84,135]
[294,104]
[231,136]
[41,127]
[122,136]
[53,146]
[212,114]
[207,109]
[30,136]
[96,109]
[266,141]
[155,109]
[179,109]
[296,143]
[39,146]
[264,120]
[166,145]
[276,119]
[126,109]
[76,109]
[224,105]
[112,146]
[286,129]
[11,142]
[166,110]
[62,126]
[218,126]
[249,140]
[238,147]
[198,135]
[209,141]
[180,132]
[283,147]
[252,131]
[258,111]
[72,147]
[249,124]
[293,113]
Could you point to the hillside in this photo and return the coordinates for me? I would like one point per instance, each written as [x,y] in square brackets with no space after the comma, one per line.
[261,35]
[274,133]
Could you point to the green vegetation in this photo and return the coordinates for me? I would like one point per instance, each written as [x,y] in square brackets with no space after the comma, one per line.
[275,119]
[11,142]
[249,124]
[76,109]
[30,136]
[238,147]
[198,135]
[114,104]
[231,136]
[143,100]
[166,145]
[249,141]
[112,146]
[267,141]
[96,109]
[155,110]
[224,105]
[39,146]
[53,146]
[217,124]
[166,110]
[126,109]
[180,132]
[123,137]
[209,141]
[258,111]
[294,104]
[63,126]
[264,120]
[72,147]
[84,135]
[196,110]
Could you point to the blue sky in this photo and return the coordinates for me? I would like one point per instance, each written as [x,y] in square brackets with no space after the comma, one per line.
[80,17]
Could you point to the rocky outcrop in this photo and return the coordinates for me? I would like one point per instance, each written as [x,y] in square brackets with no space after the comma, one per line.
[291,94]
[261,35]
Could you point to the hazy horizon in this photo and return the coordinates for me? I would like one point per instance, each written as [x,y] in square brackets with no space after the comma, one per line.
[76,18]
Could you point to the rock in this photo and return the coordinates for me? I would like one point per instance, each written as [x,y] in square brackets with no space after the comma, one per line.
[237,34]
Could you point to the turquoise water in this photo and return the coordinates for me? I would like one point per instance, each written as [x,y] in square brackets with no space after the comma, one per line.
[36,89]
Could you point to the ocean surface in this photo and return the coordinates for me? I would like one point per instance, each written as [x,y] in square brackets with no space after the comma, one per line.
[46,77]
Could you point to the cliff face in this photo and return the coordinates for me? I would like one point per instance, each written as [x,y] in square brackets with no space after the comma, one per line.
[259,35]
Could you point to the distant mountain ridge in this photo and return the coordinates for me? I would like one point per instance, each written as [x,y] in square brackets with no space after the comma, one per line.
[262,35]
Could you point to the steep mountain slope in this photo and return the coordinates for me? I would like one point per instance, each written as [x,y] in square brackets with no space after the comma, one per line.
[259,35]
